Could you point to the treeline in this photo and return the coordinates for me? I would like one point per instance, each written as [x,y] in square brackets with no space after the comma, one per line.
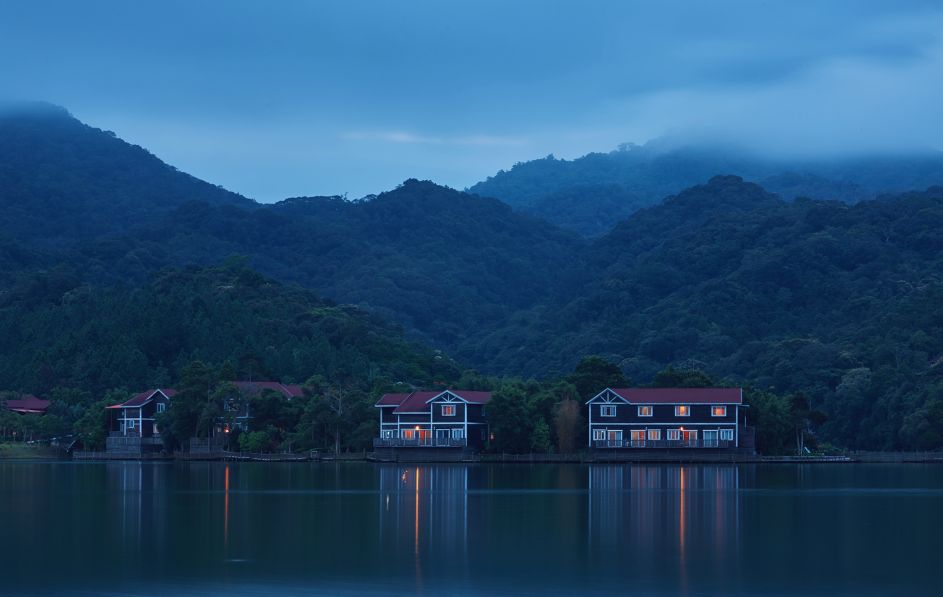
[338,414]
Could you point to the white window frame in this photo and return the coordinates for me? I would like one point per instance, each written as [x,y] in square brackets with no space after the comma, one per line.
[409,434]
[716,406]
[458,434]
[687,410]
[599,435]
[646,407]
[673,435]
[388,433]
[607,410]
[161,407]
[450,407]
[653,435]
[726,435]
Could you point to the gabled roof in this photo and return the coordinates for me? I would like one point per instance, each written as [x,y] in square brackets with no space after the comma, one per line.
[418,402]
[676,395]
[28,404]
[257,387]
[467,395]
[144,397]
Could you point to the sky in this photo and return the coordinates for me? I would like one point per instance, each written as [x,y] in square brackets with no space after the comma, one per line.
[291,98]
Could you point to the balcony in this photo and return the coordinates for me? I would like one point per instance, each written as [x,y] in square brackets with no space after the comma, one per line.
[427,442]
[116,442]
[664,443]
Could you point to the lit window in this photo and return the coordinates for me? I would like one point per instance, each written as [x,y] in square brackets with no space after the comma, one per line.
[654,435]
[682,410]
[645,411]
[726,435]
[448,410]
[674,434]
[718,411]
[607,410]
[637,435]
[599,434]
[409,434]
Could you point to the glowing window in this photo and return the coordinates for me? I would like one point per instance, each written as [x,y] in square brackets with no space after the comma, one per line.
[645,411]
[718,411]
[654,435]
[448,410]
[409,434]
[674,434]
[682,410]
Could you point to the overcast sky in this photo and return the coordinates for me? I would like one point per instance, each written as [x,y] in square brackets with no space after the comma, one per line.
[288,98]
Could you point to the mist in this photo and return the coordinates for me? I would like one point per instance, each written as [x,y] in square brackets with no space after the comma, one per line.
[333,97]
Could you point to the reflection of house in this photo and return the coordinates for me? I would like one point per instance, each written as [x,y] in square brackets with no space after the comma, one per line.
[131,424]
[27,404]
[236,405]
[646,418]
[446,419]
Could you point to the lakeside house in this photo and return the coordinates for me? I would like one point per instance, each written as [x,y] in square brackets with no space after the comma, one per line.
[449,419]
[27,404]
[668,418]
[132,427]
[131,424]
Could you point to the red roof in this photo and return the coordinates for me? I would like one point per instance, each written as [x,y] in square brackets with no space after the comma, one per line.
[680,395]
[256,387]
[144,397]
[28,404]
[417,402]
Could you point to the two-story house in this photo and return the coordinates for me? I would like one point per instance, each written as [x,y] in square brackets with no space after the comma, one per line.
[443,419]
[666,418]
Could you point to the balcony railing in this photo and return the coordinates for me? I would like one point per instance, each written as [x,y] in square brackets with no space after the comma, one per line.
[664,443]
[428,442]
[130,443]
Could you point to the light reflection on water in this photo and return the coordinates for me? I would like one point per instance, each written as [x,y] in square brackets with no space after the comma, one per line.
[211,528]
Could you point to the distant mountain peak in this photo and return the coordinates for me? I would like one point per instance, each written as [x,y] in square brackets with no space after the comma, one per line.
[34,109]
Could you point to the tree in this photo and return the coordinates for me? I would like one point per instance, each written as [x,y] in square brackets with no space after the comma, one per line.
[511,419]
[593,374]
[540,437]
[682,378]
[91,429]
[567,420]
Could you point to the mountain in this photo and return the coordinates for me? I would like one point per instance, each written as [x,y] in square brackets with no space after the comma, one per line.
[63,181]
[61,332]
[837,301]
[589,195]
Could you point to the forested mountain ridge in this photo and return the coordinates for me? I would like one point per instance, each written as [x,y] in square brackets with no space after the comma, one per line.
[839,301]
[592,193]
[814,296]
[63,181]
[61,332]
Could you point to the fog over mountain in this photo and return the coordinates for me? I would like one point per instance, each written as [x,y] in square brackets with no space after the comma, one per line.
[325,98]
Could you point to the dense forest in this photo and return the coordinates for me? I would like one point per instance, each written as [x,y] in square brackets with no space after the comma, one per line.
[832,301]
[591,194]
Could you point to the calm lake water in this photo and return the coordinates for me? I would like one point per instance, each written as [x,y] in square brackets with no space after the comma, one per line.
[124,528]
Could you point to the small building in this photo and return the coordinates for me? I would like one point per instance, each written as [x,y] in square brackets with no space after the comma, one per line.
[131,425]
[237,408]
[672,418]
[27,404]
[446,419]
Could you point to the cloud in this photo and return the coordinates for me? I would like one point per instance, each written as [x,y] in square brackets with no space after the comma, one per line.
[478,140]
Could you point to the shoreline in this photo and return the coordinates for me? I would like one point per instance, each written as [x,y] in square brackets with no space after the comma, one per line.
[580,459]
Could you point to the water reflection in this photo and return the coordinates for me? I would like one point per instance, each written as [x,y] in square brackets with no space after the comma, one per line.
[424,511]
[680,520]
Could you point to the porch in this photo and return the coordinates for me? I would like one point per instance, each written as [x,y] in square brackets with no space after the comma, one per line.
[420,442]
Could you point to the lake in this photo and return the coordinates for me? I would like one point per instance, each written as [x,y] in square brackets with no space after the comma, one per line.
[130,528]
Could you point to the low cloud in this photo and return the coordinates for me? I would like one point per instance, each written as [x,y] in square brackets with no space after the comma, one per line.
[419,139]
